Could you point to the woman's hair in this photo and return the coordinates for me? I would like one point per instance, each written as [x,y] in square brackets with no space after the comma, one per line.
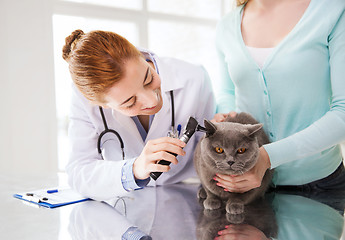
[241,2]
[96,61]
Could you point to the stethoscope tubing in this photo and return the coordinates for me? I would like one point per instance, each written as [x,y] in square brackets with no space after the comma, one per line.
[107,130]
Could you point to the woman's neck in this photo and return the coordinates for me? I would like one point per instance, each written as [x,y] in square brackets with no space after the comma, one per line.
[269,4]
[145,121]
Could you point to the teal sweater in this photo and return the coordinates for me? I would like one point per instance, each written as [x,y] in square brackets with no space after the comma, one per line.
[299,94]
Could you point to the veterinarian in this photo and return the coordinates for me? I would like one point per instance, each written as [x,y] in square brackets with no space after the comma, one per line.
[125,103]
[283,62]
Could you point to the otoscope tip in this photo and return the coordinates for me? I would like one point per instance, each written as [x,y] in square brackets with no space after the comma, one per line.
[200,128]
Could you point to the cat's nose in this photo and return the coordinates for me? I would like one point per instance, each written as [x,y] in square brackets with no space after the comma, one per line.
[231,163]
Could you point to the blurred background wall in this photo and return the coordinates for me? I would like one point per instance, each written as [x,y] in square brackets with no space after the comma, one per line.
[28,141]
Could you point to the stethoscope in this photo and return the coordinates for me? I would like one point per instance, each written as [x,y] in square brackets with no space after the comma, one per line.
[172,133]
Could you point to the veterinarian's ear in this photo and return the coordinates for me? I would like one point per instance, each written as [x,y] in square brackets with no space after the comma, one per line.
[253,128]
[210,128]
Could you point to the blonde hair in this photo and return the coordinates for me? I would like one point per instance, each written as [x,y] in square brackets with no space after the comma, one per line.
[241,2]
[96,61]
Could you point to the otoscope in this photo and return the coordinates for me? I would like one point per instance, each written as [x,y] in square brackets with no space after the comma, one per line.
[190,129]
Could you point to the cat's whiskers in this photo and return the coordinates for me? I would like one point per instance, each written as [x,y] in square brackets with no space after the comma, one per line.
[222,165]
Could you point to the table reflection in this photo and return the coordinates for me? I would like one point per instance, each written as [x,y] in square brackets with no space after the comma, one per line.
[168,212]
[173,212]
[299,217]
[257,222]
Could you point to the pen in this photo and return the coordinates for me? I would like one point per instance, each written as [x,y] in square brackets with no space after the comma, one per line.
[52,191]
[179,129]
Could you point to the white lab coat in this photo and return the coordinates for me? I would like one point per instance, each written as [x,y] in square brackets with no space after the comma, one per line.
[101,179]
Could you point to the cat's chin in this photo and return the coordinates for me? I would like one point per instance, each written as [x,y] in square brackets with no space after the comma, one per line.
[237,173]
[232,172]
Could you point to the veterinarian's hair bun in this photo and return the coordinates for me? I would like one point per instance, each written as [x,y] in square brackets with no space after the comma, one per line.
[70,43]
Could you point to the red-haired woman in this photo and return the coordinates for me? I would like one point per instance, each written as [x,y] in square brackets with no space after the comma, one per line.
[138,98]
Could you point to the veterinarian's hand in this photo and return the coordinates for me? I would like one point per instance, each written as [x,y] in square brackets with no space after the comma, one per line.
[249,180]
[240,232]
[155,150]
[220,117]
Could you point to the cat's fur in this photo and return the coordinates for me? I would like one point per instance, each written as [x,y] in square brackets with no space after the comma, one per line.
[241,131]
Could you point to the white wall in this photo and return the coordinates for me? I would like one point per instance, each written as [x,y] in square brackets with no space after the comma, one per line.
[27,118]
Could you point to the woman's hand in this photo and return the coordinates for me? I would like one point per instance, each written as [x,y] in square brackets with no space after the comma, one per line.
[220,117]
[249,180]
[241,232]
[155,150]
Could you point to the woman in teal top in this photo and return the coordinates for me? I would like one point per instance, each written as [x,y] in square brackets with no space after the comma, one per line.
[298,93]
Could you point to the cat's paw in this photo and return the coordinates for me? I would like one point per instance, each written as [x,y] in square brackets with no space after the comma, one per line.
[212,214]
[212,203]
[202,194]
[235,218]
[234,208]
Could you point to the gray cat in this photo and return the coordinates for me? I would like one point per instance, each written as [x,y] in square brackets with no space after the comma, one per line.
[231,148]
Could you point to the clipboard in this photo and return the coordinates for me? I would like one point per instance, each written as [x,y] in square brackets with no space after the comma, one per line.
[51,198]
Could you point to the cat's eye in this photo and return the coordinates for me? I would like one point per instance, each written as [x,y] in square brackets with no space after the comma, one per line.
[219,150]
[241,150]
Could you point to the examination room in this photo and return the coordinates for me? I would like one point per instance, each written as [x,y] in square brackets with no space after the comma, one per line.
[172,119]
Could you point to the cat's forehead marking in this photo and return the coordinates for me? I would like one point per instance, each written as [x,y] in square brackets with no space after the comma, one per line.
[228,125]
[220,127]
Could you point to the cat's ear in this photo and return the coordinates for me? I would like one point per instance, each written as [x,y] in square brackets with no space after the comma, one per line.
[253,128]
[210,128]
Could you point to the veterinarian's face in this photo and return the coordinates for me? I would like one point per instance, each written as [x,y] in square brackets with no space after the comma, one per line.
[139,92]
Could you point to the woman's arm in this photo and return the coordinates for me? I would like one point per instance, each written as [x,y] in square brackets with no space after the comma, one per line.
[224,88]
[329,130]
